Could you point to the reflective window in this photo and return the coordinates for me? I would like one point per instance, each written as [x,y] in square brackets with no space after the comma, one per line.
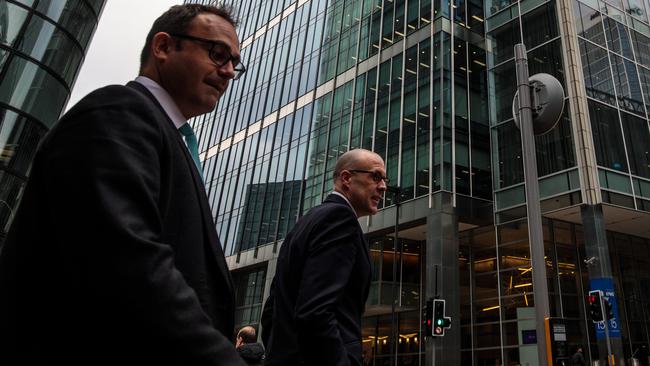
[12,18]
[33,90]
[606,132]
[249,292]
[637,138]
[504,40]
[97,5]
[505,85]
[19,137]
[539,26]
[3,57]
[555,151]
[73,15]
[618,37]
[644,76]
[588,23]
[627,85]
[641,48]
[598,77]
[509,169]
[50,45]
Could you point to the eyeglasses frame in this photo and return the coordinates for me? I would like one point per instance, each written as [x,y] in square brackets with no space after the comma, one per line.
[376,177]
[238,65]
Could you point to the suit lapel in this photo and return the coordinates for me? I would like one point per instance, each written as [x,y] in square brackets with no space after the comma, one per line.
[206,212]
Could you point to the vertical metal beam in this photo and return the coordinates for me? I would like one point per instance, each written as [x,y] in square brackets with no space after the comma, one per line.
[535,233]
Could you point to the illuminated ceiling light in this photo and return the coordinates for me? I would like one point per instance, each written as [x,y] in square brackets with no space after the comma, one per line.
[479,63]
[523,285]
[490,308]
[477,18]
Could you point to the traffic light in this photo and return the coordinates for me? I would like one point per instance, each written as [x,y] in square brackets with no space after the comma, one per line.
[595,305]
[608,310]
[427,319]
[440,321]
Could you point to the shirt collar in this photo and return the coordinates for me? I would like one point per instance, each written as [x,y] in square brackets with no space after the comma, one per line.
[165,100]
[346,200]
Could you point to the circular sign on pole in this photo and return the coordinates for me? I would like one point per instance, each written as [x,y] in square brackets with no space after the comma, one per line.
[547,102]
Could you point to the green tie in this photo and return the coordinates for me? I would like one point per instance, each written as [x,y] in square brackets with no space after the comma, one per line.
[192,145]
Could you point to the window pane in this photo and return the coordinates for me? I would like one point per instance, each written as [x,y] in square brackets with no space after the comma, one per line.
[637,139]
[73,15]
[51,45]
[12,18]
[606,132]
[598,77]
[19,137]
[33,90]
[539,26]
[588,24]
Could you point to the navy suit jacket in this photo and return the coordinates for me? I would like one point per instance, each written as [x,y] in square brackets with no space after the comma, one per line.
[113,257]
[318,294]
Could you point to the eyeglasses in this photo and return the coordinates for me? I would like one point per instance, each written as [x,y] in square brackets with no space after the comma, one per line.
[219,53]
[376,177]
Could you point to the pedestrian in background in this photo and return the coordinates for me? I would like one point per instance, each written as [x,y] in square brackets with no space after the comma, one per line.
[578,359]
[113,257]
[248,348]
[318,294]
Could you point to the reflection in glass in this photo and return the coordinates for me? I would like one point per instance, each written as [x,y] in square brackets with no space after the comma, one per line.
[12,18]
[27,87]
[598,77]
[608,140]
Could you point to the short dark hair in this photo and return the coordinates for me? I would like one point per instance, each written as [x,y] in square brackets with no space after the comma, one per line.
[177,20]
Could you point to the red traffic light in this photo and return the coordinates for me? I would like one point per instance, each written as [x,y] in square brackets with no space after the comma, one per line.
[591,299]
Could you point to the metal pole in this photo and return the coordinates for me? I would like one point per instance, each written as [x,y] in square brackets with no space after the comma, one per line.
[535,233]
[393,319]
[609,344]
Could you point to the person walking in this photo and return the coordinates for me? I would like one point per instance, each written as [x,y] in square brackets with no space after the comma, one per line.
[113,257]
[318,294]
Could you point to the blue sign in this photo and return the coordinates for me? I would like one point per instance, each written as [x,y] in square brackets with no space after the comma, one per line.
[606,285]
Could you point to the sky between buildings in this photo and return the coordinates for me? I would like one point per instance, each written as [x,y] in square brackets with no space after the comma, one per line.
[114,53]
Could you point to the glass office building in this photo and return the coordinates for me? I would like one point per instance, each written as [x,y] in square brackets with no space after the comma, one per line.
[42,45]
[429,86]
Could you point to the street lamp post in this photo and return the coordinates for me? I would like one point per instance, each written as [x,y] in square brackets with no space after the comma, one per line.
[536,118]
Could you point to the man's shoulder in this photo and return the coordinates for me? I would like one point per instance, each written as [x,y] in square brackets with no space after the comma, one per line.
[115,97]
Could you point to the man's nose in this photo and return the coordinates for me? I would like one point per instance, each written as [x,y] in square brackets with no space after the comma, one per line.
[227,70]
[382,185]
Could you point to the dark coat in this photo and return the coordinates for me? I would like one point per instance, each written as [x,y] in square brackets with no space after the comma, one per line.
[252,353]
[578,359]
[113,257]
[318,294]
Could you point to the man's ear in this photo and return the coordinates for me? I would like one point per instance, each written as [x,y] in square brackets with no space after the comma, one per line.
[345,177]
[161,45]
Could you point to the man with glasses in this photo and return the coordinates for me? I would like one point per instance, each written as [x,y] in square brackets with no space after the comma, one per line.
[322,278]
[113,257]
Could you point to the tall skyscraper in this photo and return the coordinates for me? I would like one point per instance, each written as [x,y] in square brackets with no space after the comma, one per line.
[42,45]
[429,86]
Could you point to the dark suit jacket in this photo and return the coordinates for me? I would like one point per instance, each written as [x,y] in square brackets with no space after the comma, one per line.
[319,290]
[113,257]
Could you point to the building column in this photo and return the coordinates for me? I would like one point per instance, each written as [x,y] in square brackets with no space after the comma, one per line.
[442,262]
[598,264]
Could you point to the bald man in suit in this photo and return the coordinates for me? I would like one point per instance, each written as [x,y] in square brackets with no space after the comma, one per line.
[318,294]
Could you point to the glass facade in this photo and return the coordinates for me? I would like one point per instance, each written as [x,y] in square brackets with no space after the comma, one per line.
[42,45]
[429,85]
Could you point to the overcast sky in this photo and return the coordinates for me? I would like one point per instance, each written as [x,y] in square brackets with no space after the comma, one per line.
[114,53]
